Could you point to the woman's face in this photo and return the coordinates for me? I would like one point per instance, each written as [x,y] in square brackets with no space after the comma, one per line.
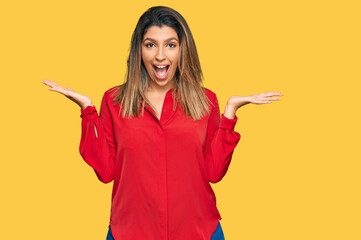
[160,54]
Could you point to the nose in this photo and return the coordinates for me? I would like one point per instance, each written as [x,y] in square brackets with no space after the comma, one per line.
[160,54]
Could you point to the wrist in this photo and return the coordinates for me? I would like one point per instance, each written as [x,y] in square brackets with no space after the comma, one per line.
[230,111]
[86,105]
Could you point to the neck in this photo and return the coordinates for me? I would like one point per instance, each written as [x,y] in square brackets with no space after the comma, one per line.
[153,88]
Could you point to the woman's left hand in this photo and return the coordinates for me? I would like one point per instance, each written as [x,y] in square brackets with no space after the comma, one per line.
[236,102]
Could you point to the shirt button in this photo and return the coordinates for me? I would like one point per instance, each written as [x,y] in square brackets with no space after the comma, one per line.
[164,110]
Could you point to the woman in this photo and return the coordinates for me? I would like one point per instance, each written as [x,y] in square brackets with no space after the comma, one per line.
[160,136]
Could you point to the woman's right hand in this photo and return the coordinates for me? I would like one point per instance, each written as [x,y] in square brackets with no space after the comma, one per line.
[82,100]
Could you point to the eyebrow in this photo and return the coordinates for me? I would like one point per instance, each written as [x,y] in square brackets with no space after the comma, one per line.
[151,39]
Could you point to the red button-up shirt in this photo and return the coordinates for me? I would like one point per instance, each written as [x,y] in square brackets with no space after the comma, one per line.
[162,168]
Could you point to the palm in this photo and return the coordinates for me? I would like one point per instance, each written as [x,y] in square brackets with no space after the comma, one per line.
[260,98]
[79,99]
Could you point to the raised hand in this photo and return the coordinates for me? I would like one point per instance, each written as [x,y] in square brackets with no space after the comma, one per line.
[82,100]
[236,102]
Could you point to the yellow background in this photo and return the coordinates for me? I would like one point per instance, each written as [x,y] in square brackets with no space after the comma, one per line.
[295,173]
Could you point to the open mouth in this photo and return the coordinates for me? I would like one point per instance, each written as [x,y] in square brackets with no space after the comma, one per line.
[161,71]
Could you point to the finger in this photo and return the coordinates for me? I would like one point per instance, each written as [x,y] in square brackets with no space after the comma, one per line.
[46,82]
[265,98]
[259,101]
[54,89]
[270,98]
[57,90]
[268,94]
[51,83]
[70,89]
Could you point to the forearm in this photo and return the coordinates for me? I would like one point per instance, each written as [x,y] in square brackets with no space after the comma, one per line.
[230,111]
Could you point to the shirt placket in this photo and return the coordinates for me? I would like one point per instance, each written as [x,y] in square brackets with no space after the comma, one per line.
[167,113]
[163,183]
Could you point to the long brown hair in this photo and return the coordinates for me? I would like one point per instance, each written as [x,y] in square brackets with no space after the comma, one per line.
[190,92]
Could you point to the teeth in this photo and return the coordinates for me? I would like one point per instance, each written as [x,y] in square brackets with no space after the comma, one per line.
[160,66]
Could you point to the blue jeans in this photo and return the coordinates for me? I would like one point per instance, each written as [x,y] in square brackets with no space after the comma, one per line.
[217,235]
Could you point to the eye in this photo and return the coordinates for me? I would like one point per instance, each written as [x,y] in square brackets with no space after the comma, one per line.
[172,45]
[147,45]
